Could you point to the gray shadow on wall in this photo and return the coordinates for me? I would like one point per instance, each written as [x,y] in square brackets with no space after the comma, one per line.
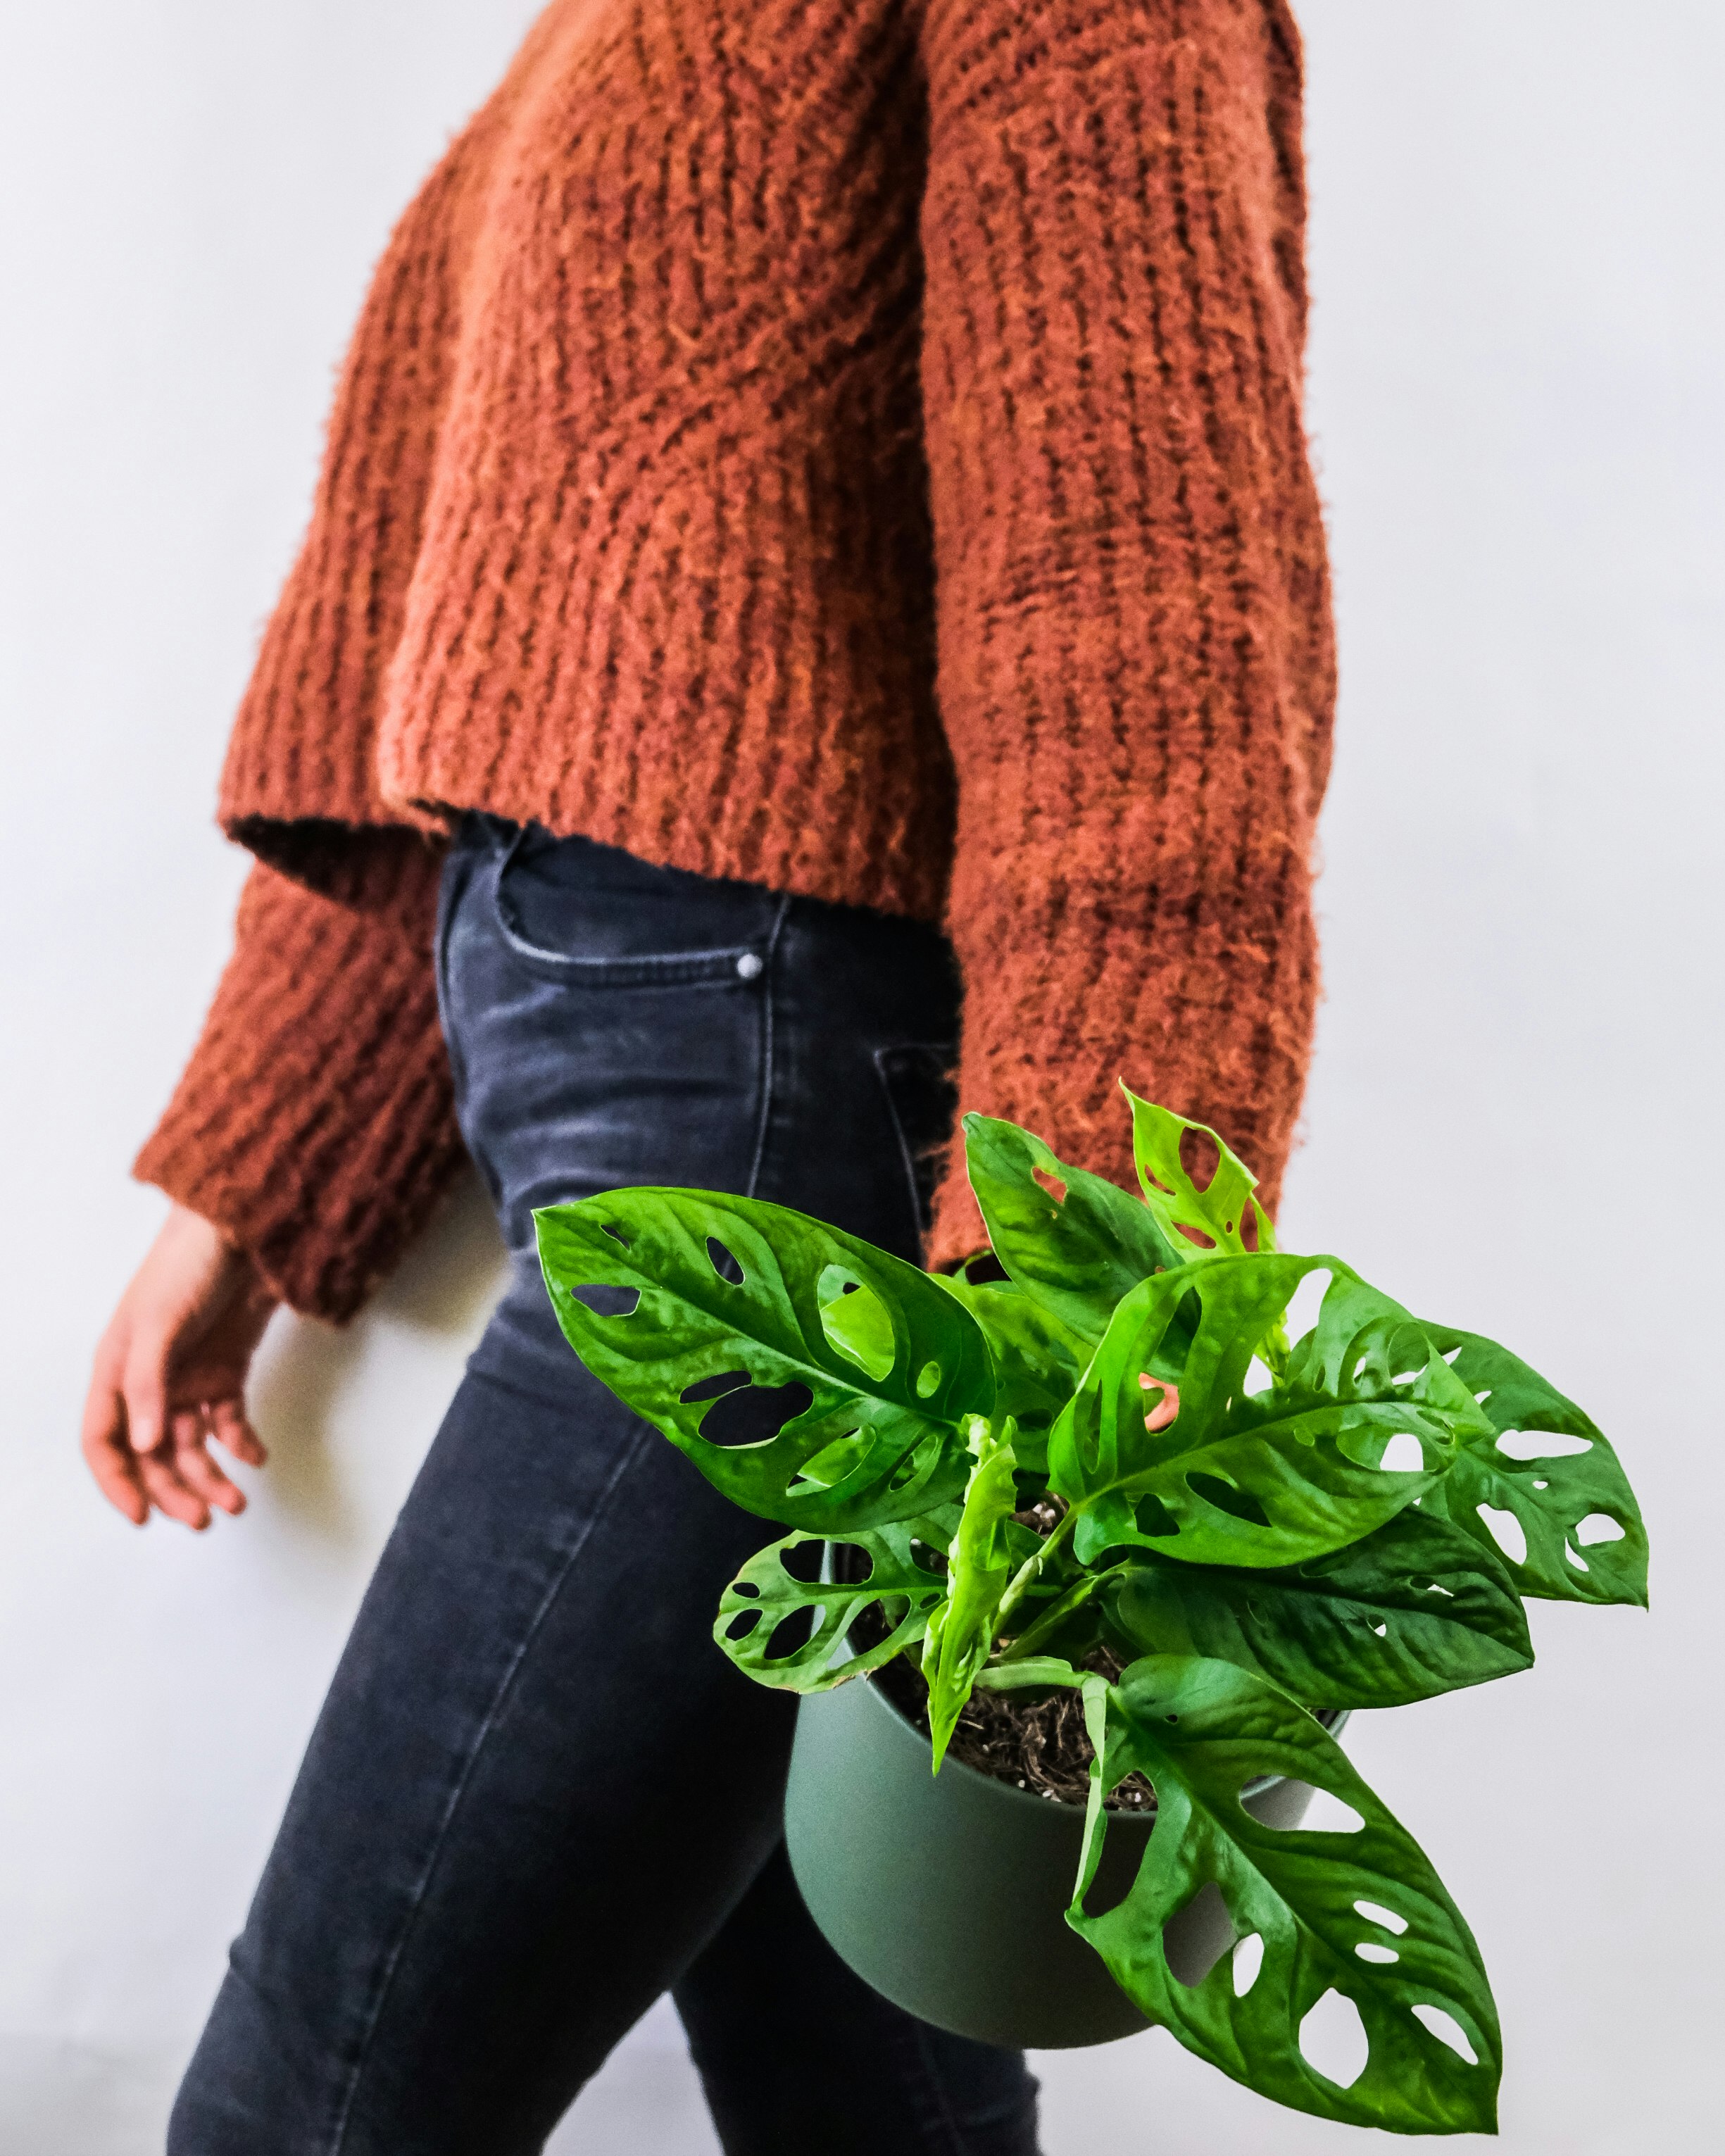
[445,1289]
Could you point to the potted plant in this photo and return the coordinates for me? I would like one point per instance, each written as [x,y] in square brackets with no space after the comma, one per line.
[1120,1481]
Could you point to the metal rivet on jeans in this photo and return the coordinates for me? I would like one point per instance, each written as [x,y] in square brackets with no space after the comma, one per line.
[749,966]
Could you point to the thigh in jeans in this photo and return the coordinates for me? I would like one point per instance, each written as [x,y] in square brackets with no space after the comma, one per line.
[534,1790]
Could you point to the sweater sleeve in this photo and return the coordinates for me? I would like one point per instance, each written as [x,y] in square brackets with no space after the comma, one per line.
[315,1124]
[1135,670]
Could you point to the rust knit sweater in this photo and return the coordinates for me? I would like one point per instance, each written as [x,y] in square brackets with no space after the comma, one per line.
[852,445]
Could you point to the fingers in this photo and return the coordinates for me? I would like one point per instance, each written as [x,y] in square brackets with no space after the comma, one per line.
[107,1454]
[170,1374]
[167,1492]
[197,1471]
[228,1424]
[145,1385]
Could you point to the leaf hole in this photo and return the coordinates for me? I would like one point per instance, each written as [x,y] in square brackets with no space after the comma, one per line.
[1422,1585]
[1248,1960]
[856,1323]
[723,1263]
[1372,1950]
[1196,1938]
[1053,1184]
[1258,1378]
[1239,1504]
[1200,1157]
[1152,1516]
[1323,1812]
[1580,1564]
[1195,1234]
[615,1233]
[1374,1913]
[1542,1444]
[928,1381]
[714,1388]
[1168,1404]
[1115,1874]
[1306,1304]
[743,1624]
[747,1589]
[1333,2040]
[1506,1531]
[1403,1454]
[908,1469]
[605,1301]
[754,1414]
[1447,2030]
[1382,1630]
[1451,1354]
[1599,1527]
[792,1634]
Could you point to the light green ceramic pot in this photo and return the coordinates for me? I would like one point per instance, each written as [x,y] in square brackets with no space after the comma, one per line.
[948,1893]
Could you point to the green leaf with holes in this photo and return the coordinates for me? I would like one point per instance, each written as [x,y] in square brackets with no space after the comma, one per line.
[1038,1362]
[1075,1248]
[979,1568]
[883,1443]
[765,1594]
[1201,1730]
[1267,1478]
[1583,1526]
[1196,1224]
[1415,1610]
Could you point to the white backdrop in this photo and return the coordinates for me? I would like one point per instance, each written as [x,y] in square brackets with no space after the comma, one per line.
[1516,397]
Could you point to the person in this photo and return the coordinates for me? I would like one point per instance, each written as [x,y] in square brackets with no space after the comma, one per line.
[815,544]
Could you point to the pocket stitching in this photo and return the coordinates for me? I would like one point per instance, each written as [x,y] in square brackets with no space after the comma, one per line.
[667,969]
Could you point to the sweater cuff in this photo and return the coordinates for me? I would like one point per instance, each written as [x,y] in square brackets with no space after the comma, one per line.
[1203,1001]
[315,1124]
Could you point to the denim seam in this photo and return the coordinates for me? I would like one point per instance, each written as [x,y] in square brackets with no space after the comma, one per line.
[767,1047]
[345,2114]
[448,904]
[945,1052]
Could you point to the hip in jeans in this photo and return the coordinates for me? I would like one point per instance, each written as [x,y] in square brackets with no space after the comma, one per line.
[612,1023]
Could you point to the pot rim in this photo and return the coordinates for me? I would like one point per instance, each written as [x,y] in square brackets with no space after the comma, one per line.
[1331,1719]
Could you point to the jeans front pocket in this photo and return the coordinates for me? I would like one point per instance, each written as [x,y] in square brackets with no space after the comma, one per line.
[580,936]
[610,1022]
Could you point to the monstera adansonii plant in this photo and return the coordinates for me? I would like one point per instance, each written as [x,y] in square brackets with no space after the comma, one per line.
[1236,1529]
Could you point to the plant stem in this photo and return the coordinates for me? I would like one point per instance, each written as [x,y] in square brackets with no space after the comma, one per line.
[1026,1576]
[1075,1598]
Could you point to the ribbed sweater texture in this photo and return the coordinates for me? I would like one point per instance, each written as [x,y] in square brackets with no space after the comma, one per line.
[851,445]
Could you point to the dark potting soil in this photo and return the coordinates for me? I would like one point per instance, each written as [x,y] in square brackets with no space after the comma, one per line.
[1036,1745]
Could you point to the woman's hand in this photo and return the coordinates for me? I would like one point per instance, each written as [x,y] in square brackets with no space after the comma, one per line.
[170,1374]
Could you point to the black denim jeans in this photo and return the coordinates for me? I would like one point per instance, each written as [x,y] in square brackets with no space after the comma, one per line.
[538,1796]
